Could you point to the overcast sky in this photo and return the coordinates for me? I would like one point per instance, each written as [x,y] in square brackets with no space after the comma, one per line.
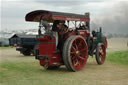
[109,14]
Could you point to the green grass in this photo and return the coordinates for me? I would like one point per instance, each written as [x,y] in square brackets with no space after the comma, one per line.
[1,48]
[30,73]
[120,57]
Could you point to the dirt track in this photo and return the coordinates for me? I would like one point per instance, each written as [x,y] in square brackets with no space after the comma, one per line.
[117,44]
[92,74]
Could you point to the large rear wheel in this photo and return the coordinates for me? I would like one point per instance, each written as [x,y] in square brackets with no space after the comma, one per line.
[75,53]
[100,53]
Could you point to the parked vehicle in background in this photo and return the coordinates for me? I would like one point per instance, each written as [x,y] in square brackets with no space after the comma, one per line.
[24,43]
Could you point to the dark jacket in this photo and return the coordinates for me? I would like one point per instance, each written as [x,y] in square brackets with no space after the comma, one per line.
[54,27]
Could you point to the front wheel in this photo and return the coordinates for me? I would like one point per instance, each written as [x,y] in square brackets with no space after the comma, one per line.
[100,53]
[75,53]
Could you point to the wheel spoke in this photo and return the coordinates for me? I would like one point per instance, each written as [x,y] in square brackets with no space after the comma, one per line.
[77,63]
[79,43]
[74,48]
[81,57]
[101,54]
[73,57]
[100,50]
[100,57]
[73,52]
[74,62]
[76,44]
[82,50]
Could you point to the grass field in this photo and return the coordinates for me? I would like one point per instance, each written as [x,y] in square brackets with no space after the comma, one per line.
[5,47]
[30,73]
[120,57]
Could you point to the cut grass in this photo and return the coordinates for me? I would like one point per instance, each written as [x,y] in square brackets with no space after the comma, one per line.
[1,48]
[29,73]
[120,57]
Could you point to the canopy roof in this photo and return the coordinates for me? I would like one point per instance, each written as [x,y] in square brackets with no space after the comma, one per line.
[50,16]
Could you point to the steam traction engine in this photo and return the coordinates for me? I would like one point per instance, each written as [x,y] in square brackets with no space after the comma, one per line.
[72,46]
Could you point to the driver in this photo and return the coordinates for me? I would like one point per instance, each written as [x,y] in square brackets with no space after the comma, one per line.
[55,29]
[63,24]
[56,26]
[62,31]
[63,27]
[59,27]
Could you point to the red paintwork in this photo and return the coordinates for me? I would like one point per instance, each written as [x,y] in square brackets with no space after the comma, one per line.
[70,18]
[47,47]
[51,61]
[67,35]
[46,44]
[83,33]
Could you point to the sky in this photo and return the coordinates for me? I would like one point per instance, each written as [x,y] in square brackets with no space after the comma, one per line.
[111,15]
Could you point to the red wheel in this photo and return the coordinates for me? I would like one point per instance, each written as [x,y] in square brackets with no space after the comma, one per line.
[75,53]
[100,53]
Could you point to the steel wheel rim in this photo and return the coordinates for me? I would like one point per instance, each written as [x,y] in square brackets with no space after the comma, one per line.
[78,53]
